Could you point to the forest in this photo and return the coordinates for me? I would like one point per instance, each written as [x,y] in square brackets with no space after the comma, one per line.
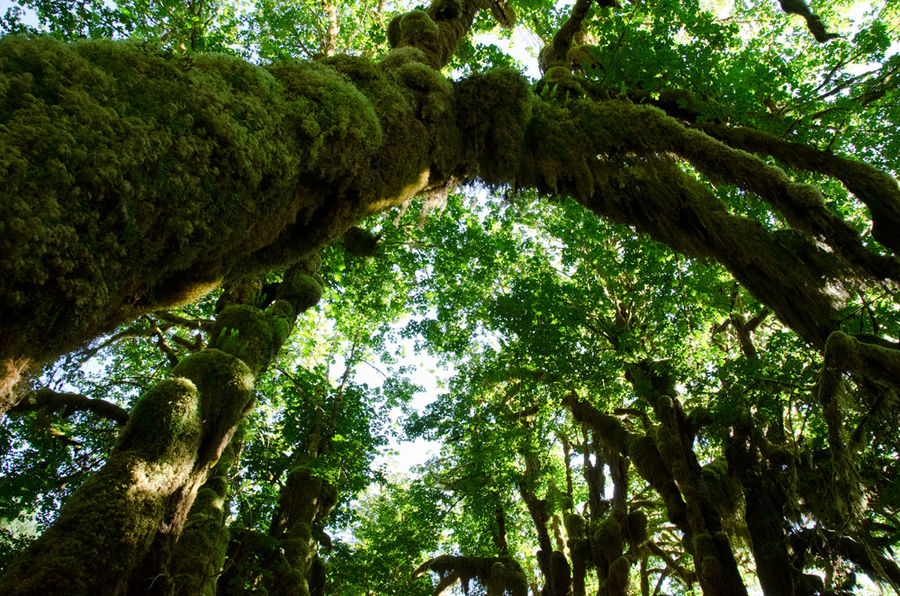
[620,277]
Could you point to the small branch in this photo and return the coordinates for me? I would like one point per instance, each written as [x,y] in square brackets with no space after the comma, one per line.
[162,343]
[169,317]
[686,576]
[813,21]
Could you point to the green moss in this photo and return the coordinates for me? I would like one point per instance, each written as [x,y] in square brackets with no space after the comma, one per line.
[493,110]
[637,528]
[115,149]
[575,525]
[617,581]
[559,84]
[302,291]
[401,56]
[223,380]
[330,110]
[721,488]
[417,29]
[447,9]
[643,452]
[165,422]
[433,89]
[247,333]
[360,243]
[610,536]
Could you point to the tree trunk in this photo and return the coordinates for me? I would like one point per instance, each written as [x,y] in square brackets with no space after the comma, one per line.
[199,554]
[136,505]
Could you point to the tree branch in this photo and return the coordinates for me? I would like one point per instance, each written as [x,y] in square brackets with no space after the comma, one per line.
[70,403]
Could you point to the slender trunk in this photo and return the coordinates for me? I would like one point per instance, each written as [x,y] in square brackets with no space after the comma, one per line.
[200,551]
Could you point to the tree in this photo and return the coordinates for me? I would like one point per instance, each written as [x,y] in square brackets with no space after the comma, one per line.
[140,175]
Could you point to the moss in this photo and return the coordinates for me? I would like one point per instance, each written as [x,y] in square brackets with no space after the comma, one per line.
[617,581]
[188,165]
[559,84]
[446,9]
[704,545]
[90,130]
[417,29]
[721,488]
[360,243]
[109,523]
[493,110]
[643,452]
[330,110]
[247,333]
[301,290]
[432,88]
[223,380]
[560,572]
[166,422]
[637,528]
[575,525]
[401,56]
[610,536]
[496,584]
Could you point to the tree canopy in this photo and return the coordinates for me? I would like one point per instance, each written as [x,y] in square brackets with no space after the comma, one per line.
[656,249]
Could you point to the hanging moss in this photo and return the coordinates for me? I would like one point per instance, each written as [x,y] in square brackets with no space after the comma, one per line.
[493,110]
[637,528]
[617,580]
[611,538]
[722,490]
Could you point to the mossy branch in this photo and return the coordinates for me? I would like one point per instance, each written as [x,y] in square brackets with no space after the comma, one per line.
[500,575]
[876,189]
[69,403]
[557,52]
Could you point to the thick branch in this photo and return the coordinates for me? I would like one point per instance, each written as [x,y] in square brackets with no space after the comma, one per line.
[557,53]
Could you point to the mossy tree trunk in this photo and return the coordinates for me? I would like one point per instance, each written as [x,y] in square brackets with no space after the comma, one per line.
[553,564]
[765,504]
[204,168]
[199,553]
[285,559]
[116,532]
